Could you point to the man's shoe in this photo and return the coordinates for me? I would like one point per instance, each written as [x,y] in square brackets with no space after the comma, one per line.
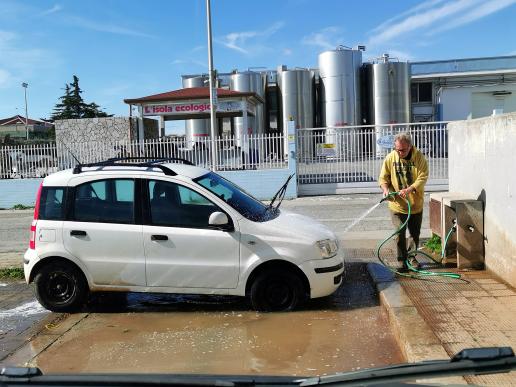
[414,263]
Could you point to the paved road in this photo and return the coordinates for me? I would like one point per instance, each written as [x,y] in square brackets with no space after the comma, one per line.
[351,326]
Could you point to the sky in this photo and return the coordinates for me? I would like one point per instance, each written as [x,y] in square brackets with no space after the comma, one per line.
[127,49]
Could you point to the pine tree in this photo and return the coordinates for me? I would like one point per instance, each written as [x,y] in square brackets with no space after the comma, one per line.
[73,106]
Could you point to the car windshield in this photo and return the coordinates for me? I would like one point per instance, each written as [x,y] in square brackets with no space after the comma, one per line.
[236,197]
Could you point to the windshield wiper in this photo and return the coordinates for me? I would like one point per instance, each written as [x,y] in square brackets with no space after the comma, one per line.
[471,361]
[280,195]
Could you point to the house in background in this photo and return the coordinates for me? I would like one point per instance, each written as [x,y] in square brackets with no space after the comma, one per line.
[15,127]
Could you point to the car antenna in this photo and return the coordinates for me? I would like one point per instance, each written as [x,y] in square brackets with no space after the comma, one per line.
[69,151]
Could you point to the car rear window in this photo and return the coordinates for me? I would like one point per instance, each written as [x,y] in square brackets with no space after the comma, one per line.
[51,205]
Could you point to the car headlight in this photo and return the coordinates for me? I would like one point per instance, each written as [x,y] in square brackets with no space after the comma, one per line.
[327,247]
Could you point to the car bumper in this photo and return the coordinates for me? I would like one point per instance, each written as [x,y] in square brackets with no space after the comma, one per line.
[29,260]
[324,275]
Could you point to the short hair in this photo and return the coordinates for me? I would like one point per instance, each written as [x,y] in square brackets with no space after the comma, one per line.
[403,137]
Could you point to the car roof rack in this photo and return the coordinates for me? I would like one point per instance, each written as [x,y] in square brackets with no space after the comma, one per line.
[149,162]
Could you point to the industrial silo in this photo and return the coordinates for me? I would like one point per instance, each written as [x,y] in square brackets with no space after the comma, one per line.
[198,128]
[296,88]
[389,100]
[249,81]
[339,72]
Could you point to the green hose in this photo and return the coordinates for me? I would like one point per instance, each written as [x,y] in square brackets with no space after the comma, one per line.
[443,248]
[412,253]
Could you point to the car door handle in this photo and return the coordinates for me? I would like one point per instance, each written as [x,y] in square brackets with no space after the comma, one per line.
[78,233]
[159,238]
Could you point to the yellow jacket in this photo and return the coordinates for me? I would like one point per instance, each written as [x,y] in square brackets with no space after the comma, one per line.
[400,173]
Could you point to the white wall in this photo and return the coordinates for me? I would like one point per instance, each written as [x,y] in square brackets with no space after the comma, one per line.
[458,103]
[482,162]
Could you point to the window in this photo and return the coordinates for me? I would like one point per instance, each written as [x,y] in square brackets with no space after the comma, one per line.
[106,201]
[178,206]
[51,205]
[421,92]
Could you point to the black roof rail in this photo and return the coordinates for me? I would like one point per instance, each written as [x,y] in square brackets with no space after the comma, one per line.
[152,162]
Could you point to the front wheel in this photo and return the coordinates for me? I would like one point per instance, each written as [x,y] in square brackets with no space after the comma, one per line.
[60,287]
[274,292]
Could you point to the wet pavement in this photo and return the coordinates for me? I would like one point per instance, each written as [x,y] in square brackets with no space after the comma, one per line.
[20,316]
[220,335]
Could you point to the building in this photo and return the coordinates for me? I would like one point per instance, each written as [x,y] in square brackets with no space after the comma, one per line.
[15,126]
[459,89]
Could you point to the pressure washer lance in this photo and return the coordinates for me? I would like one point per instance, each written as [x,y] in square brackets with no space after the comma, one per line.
[417,273]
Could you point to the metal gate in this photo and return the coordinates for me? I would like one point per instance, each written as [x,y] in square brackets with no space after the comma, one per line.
[349,159]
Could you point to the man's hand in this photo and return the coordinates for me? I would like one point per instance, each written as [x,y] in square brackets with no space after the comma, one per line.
[385,191]
[405,192]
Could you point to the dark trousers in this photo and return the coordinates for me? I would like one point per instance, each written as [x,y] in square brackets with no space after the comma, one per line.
[414,226]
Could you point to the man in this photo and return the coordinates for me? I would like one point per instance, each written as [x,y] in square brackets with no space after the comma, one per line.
[405,170]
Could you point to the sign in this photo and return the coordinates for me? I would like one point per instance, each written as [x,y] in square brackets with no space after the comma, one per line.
[230,106]
[191,108]
[326,150]
[386,141]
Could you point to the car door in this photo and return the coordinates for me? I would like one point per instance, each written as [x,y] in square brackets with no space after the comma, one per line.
[103,233]
[181,249]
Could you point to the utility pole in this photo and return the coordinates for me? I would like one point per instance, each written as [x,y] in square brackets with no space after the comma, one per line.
[213,92]
[24,85]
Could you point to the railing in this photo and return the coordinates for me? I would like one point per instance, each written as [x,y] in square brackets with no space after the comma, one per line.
[354,154]
[256,152]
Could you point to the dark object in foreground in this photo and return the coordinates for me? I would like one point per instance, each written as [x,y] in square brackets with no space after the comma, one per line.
[467,362]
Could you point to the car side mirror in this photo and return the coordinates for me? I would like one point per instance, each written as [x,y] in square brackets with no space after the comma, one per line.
[220,221]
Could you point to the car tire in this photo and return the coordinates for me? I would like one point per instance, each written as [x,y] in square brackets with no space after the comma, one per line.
[274,292]
[60,287]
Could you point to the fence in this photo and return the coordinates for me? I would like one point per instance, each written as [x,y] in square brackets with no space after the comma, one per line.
[257,152]
[354,154]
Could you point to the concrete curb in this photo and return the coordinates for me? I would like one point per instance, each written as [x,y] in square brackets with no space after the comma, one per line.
[414,336]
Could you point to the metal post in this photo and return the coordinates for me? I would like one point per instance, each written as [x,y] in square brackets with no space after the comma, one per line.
[213,91]
[24,85]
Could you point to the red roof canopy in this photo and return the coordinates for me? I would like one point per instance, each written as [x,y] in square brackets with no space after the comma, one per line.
[191,93]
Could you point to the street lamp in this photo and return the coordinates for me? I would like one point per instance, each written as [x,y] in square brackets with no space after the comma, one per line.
[213,91]
[24,85]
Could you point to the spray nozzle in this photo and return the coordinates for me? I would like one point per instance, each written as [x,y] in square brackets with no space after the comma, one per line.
[390,195]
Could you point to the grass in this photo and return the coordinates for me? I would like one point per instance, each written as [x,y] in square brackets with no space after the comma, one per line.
[21,207]
[434,244]
[12,273]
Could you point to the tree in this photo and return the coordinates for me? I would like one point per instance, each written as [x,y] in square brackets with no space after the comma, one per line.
[73,106]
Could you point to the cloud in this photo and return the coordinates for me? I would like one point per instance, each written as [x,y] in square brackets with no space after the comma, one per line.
[436,14]
[22,61]
[54,9]
[189,62]
[238,41]
[287,51]
[5,76]
[479,12]
[328,38]
[105,27]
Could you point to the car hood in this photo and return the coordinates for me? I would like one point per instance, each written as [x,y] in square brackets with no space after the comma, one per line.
[296,226]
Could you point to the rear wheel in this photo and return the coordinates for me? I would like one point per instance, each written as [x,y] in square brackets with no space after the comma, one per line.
[272,291]
[60,287]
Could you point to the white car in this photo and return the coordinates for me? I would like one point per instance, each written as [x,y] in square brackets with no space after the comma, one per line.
[171,228]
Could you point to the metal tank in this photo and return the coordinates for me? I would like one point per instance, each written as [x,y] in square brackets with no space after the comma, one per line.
[296,88]
[389,100]
[249,81]
[339,72]
[198,128]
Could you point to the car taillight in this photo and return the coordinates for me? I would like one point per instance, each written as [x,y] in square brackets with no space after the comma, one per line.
[32,240]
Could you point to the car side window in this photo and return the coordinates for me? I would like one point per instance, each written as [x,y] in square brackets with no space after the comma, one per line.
[52,203]
[175,205]
[105,201]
